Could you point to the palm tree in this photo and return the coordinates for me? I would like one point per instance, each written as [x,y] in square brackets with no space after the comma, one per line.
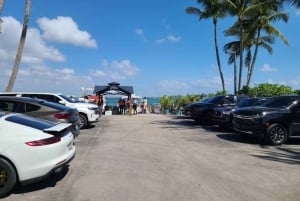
[242,9]
[20,48]
[212,9]
[232,48]
[295,3]
[262,23]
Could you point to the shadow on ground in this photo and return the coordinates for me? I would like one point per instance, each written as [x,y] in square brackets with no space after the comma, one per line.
[51,181]
[288,153]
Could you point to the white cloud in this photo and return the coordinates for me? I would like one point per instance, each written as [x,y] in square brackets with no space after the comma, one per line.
[268,68]
[116,70]
[126,67]
[173,39]
[165,24]
[173,85]
[44,79]
[65,30]
[160,41]
[35,49]
[298,12]
[170,38]
[140,33]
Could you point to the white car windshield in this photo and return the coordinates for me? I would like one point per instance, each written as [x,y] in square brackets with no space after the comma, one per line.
[67,98]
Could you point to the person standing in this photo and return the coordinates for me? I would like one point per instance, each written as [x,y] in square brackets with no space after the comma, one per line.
[99,102]
[134,106]
[121,103]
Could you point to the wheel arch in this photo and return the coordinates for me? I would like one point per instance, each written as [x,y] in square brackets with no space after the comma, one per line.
[15,168]
[280,123]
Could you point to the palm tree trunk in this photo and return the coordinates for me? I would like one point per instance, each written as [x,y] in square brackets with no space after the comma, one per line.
[241,53]
[218,55]
[1,6]
[250,71]
[20,48]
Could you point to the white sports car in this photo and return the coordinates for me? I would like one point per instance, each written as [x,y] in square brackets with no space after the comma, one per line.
[31,149]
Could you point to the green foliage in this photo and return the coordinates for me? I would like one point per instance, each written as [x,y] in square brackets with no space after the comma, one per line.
[166,102]
[245,90]
[267,89]
[297,92]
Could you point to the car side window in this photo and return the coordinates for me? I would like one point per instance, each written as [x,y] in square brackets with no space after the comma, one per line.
[31,107]
[19,107]
[3,106]
[6,105]
[296,108]
[228,100]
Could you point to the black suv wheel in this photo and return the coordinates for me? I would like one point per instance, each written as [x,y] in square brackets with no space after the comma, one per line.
[276,134]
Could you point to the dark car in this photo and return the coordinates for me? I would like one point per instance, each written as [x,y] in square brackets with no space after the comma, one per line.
[222,116]
[34,107]
[202,112]
[186,110]
[275,121]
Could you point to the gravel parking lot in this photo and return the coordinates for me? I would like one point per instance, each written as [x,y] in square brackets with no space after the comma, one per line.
[151,157]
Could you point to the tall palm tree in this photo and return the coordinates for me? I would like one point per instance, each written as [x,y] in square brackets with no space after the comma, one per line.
[20,48]
[211,9]
[232,48]
[262,23]
[242,9]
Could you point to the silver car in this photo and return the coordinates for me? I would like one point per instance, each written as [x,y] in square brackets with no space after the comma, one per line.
[40,108]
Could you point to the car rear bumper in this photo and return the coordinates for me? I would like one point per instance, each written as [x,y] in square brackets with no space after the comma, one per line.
[58,168]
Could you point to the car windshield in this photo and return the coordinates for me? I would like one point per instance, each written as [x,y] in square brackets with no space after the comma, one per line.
[216,99]
[67,98]
[280,102]
[246,102]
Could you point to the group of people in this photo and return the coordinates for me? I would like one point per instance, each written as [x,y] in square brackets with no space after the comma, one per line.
[129,105]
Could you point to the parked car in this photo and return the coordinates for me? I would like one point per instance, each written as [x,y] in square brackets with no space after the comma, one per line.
[31,149]
[43,109]
[275,121]
[186,110]
[202,112]
[88,112]
[222,116]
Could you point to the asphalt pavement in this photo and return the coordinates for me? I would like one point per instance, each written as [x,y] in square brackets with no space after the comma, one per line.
[153,157]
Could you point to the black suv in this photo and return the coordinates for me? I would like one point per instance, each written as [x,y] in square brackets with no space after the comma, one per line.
[276,120]
[202,112]
[222,116]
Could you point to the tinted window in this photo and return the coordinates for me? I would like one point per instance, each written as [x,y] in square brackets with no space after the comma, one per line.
[30,122]
[67,98]
[246,102]
[280,102]
[47,97]
[31,107]
[6,105]
[216,99]
[55,105]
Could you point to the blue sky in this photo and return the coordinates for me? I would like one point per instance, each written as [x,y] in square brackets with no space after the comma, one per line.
[153,46]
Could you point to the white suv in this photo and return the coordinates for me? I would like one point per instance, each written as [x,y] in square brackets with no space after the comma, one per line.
[88,112]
